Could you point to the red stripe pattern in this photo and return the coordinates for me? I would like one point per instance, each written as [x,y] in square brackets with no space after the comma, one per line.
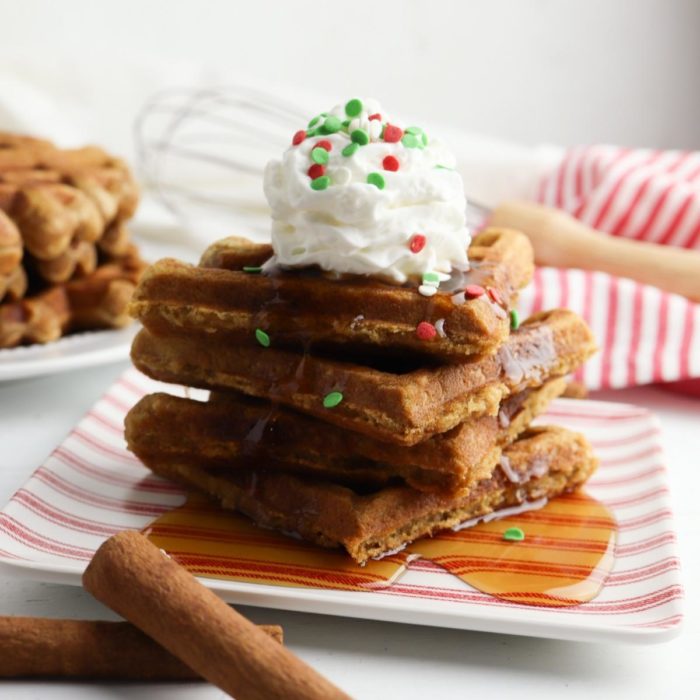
[91,487]
[645,335]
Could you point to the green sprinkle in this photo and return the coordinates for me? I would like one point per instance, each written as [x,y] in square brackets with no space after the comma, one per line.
[346,123]
[314,121]
[320,183]
[353,108]
[424,139]
[252,269]
[360,136]
[442,167]
[319,155]
[262,337]
[310,133]
[350,149]
[376,179]
[514,319]
[514,534]
[414,130]
[431,278]
[410,141]
[331,125]
[332,400]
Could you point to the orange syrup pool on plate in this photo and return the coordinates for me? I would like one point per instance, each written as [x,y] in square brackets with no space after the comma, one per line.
[567,552]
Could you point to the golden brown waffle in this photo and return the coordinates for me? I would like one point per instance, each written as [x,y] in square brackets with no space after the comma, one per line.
[98,300]
[57,197]
[50,216]
[79,259]
[115,240]
[13,286]
[305,307]
[232,433]
[371,524]
[21,152]
[10,246]
[398,402]
[56,207]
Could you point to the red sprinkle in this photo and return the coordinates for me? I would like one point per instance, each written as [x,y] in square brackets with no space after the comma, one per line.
[473,291]
[316,170]
[417,243]
[298,137]
[376,116]
[392,134]
[391,163]
[425,331]
[324,144]
[494,296]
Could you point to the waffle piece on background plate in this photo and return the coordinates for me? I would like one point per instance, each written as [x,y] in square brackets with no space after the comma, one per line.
[13,286]
[238,289]
[13,278]
[399,403]
[545,462]
[234,433]
[10,245]
[97,301]
[115,240]
[78,260]
[57,275]
[57,197]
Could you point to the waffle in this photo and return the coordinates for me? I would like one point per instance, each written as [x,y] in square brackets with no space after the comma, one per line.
[21,152]
[232,432]
[81,257]
[78,260]
[13,286]
[98,300]
[115,240]
[306,307]
[50,216]
[10,245]
[398,403]
[57,197]
[376,523]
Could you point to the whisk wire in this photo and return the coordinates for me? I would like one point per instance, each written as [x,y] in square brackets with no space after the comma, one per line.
[202,154]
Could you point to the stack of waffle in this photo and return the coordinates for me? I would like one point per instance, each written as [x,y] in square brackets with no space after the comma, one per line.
[66,260]
[354,413]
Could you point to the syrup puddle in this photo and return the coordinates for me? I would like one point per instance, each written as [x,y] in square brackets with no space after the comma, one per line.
[564,560]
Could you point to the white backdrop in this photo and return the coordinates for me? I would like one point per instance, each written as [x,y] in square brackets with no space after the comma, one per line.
[563,71]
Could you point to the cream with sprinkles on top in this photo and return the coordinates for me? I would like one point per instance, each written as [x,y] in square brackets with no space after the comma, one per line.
[357,192]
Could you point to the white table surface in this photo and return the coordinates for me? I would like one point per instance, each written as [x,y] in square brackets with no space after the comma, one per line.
[375,659]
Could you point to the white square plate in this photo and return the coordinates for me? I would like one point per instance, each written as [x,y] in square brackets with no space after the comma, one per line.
[91,488]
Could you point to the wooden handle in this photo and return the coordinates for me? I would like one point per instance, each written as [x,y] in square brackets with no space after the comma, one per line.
[561,241]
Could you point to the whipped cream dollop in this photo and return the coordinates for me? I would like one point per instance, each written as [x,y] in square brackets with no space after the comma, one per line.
[359,193]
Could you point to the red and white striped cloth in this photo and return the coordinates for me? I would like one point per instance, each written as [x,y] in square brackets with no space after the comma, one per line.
[645,335]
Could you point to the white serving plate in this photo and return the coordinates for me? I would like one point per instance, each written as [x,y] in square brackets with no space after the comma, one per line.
[78,351]
[91,487]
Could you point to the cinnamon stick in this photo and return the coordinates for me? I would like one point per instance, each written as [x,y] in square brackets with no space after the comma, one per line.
[35,647]
[142,584]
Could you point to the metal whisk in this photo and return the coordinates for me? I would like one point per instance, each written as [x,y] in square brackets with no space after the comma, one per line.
[202,153]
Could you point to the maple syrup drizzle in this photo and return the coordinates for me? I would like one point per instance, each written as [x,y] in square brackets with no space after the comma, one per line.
[567,553]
